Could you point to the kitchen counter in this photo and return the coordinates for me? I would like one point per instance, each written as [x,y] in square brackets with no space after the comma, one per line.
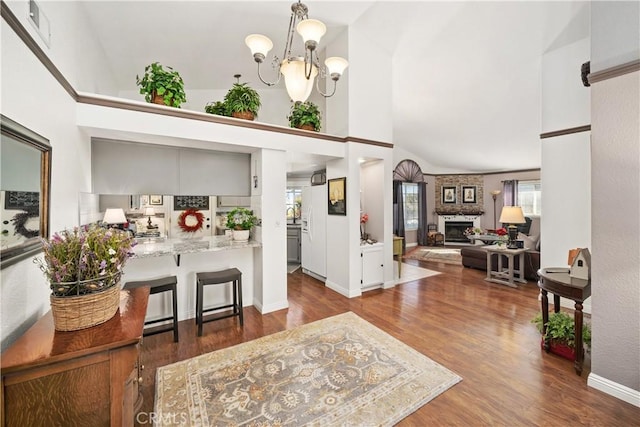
[147,248]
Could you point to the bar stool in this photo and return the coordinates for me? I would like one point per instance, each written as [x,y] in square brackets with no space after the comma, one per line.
[163,284]
[232,275]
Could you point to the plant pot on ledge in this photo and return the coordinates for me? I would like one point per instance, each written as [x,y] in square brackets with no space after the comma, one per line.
[244,115]
[241,235]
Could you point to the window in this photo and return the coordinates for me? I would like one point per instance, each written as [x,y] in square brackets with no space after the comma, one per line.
[294,200]
[529,197]
[410,198]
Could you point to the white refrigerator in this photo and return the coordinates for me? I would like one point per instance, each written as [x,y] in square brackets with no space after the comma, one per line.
[314,231]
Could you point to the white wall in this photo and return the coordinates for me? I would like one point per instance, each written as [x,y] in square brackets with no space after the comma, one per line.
[615,272]
[614,33]
[367,89]
[24,292]
[566,197]
[270,207]
[565,100]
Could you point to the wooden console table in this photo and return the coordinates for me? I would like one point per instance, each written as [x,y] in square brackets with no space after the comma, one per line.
[560,284]
[85,377]
[501,275]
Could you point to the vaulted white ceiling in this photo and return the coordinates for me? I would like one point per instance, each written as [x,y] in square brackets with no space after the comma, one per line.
[466,75]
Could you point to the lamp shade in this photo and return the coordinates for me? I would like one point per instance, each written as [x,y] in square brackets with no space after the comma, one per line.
[258,44]
[149,211]
[298,87]
[495,192]
[311,30]
[114,216]
[336,65]
[512,215]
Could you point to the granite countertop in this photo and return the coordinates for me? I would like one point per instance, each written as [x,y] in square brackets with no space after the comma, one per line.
[147,248]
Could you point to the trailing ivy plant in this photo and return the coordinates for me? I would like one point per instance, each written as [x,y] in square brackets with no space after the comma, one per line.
[305,113]
[164,82]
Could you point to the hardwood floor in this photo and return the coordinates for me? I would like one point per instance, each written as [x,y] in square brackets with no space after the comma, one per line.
[479,330]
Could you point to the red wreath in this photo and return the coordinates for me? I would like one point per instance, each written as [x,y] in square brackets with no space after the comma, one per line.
[182,220]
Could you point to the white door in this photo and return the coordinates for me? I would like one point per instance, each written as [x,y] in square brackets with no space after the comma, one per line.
[372,265]
[314,229]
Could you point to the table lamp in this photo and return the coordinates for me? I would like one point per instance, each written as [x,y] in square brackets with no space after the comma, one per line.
[114,216]
[150,212]
[512,215]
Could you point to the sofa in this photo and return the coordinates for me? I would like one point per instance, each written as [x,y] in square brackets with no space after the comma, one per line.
[476,257]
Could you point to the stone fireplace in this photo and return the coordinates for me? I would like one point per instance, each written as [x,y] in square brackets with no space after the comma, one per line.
[453,226]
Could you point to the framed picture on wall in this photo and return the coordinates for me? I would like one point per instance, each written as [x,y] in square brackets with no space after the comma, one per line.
[155,199]
[337,192]
[144,200]
[448,194]
[468,194]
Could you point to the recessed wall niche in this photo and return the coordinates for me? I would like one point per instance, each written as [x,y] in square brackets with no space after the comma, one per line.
[459,194]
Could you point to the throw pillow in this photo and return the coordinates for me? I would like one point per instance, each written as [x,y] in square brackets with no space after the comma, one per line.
[530,242]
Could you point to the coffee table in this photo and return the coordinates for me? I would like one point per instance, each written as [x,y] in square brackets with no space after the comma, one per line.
[487,239]
[505,276]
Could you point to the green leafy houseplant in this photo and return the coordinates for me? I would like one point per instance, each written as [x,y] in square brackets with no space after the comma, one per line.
[242,101]
[241,219]
[305,115]
[218,107]
[165,83]
[561,329]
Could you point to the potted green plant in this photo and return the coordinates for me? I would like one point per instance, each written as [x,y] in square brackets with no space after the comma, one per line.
[242,102]
[241,221]
[560,334]
[305,115]
[162,86]
[218,107]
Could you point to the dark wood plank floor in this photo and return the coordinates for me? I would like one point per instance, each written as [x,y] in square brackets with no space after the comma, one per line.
[482,331]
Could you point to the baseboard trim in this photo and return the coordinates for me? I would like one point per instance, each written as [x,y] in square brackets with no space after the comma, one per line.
[341,290]
[614,389]
[264,309]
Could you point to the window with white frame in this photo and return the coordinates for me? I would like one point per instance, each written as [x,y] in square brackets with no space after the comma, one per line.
[410,199]
[529,197]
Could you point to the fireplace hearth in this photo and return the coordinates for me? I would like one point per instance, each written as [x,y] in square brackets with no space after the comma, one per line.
[454,226]
[454,231]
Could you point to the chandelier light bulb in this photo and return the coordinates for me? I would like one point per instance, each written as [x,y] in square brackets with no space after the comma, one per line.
[260,45]
[336,66]
[311,31]
[298,87]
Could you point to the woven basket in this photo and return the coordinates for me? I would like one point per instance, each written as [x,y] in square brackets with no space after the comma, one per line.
[84,311]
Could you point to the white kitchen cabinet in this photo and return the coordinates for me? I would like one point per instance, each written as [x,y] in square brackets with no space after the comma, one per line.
[372,264]
[293,244]
[233,201]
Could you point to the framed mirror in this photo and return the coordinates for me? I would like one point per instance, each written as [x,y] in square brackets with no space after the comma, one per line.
[25,177]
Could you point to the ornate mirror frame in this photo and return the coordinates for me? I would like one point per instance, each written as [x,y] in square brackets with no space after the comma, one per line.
[31,246]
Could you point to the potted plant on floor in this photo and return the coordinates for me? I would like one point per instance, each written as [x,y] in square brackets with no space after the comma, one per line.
[241,221]
[162,86]
[560,334]
[242,102]
[305,115]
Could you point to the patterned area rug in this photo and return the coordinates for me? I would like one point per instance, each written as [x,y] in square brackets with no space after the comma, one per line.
[443,255]
[337,371]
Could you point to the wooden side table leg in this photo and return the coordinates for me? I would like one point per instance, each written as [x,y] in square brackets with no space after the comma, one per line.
[511,266]
[544,300]
[488,265]
[556,303]
[578,322]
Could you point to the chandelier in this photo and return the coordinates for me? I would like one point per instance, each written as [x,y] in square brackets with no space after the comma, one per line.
[299,71]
